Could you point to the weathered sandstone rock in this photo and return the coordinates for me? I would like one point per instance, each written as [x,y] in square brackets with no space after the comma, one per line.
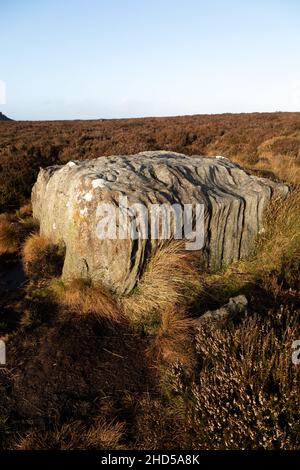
[66,201]
[237,306]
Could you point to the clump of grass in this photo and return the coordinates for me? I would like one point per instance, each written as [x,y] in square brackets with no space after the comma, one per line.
[100,435]
[285,168]
[84,298]
[281,237]
[280,167]
[14,229]
[104,435]
[41,258]
[173,340]
[171,279]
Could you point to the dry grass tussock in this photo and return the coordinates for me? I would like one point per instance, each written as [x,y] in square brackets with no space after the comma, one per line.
[75,435]
[84,298]
[14,228]
[42,258]
[173,340]
[280,241]
[280,167]
[35,244]
[284,168]
[171,279]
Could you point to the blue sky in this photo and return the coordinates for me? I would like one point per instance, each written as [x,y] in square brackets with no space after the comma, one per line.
[72,59]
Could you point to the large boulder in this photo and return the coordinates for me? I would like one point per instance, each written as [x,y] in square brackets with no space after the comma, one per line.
[66,201]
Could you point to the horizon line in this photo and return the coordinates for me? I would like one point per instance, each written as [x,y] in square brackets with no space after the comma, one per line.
[170,116]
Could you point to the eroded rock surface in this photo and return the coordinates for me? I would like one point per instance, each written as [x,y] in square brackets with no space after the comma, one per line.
[66,201]
[237,306]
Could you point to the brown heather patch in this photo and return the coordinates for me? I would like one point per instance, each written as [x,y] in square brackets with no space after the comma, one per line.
[247,392]
[249,138]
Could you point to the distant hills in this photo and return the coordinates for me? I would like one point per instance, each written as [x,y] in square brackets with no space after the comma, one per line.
[4,118]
